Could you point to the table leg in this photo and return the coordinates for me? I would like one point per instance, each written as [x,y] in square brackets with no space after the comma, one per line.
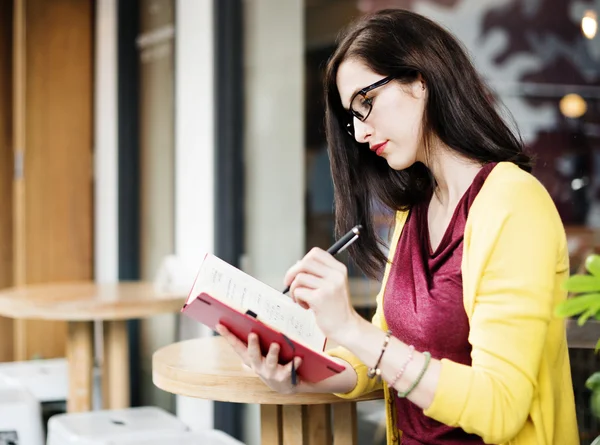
[344,424]
[115,368]
[80,360]
[318,424]
[271,431]
[294,425]
[308,424]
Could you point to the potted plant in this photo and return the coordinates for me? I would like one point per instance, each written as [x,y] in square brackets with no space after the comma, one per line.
[585,304]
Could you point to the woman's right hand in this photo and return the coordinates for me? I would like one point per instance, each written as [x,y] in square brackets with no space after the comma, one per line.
[275,376]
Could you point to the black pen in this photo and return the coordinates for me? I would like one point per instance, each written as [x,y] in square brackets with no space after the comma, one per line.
[340,245]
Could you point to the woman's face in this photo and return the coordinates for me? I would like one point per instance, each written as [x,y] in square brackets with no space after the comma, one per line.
[393,127]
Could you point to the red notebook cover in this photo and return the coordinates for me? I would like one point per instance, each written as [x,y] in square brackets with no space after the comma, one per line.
[210,311]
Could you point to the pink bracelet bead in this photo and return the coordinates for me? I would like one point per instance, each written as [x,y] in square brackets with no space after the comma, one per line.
[411,349]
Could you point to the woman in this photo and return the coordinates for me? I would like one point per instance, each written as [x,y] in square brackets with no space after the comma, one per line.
[463,340]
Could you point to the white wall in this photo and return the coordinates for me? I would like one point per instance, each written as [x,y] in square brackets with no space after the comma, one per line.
[194,155]
[274,119]
[274,144]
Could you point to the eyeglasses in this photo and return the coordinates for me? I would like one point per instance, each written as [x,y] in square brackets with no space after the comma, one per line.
[361,104]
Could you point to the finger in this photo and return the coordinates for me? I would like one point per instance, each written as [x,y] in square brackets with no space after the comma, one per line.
[272,358]
[307,280]
[222,330]
[298,302]
[303,280]
[238,346]
[303,296]
[323,262]
[325,258]
[254,353]
[336,272]
[228,335]
[287,369]
[305,265]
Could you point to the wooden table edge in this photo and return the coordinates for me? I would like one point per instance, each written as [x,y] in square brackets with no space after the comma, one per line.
[215,387]
[15,304]
[99,315]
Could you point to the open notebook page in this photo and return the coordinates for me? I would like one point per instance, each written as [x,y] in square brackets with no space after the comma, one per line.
[243,292]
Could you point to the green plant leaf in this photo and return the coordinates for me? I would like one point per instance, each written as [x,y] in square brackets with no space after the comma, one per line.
[576,305]
[593,382]
[585,316]
[597,348]
[582,283]
[592,264]
[592,311]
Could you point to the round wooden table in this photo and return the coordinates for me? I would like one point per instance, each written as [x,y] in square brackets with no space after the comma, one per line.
[80,304]
[208,368]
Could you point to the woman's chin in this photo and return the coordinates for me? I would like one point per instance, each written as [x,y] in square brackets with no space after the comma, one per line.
[399,162]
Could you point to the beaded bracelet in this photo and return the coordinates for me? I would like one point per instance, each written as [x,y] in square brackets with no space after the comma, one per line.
[421,374]
[375,371]
[411,349]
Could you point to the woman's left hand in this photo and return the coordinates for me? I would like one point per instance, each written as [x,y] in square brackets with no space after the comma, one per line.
[320,282]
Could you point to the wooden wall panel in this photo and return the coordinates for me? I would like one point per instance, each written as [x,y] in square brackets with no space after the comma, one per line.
[6,170]
[58,157]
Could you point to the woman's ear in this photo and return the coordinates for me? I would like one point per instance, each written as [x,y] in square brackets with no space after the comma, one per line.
[419,87]
[421,81]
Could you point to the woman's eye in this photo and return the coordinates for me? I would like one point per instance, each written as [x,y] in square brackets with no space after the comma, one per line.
[366,102]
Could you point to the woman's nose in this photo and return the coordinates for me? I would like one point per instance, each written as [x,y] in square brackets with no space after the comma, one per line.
[362,131]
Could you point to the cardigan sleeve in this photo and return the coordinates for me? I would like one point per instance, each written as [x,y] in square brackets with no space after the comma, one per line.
[364,384]
[513,305]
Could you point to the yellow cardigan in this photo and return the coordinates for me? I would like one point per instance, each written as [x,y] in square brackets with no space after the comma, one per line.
[518,390]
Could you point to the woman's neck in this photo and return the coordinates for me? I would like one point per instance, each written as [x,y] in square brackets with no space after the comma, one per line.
[453,174]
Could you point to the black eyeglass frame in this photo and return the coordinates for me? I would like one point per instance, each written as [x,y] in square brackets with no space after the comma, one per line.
[363,92]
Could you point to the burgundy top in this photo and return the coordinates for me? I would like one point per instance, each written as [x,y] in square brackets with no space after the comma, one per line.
[423,306]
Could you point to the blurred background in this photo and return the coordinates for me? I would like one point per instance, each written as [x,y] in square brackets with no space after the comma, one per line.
[134,131]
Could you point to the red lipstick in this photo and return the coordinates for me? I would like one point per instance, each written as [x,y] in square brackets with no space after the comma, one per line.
[378,148]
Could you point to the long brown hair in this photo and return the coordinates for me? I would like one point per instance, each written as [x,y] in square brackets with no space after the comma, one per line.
[459,111]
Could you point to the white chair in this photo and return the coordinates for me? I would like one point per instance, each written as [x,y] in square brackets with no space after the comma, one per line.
[206,437]
[107,426]
[20,416]
[46,379]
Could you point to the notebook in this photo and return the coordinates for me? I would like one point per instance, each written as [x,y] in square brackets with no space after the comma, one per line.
[224,294]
